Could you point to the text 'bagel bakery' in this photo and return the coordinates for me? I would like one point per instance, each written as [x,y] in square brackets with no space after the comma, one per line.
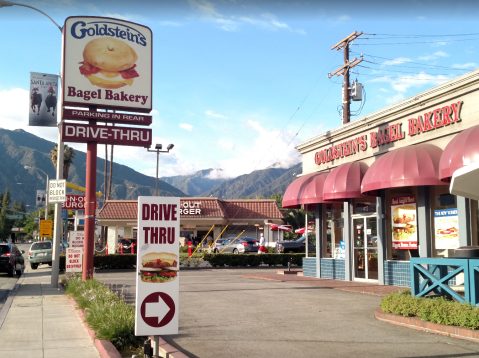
[159,234]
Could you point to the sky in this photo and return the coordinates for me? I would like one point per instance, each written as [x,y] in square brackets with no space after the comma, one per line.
[237,84]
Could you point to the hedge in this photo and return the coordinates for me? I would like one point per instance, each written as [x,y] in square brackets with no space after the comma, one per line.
[438,310]
[127,261]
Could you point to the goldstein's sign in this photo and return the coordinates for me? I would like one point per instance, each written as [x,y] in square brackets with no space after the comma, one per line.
[439,117]
[107,63]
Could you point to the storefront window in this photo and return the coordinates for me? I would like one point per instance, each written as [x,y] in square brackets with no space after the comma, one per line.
[334,230]
[402,230]
[475,222]
[445,234]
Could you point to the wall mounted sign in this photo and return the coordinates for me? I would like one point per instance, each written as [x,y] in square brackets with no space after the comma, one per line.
[76,202]
[107,63]
[190,208]
[446,229]
[440,117]
[43,100]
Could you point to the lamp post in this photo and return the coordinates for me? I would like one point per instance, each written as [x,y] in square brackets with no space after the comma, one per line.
[46,198]
[158,150]
[257,225]
[59,175]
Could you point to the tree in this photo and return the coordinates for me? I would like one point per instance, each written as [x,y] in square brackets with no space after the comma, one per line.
[5,224]
[68,155]
[21,208]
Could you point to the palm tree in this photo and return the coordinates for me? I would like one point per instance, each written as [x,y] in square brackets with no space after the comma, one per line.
[68,155]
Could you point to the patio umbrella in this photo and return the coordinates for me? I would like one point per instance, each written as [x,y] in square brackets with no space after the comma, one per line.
[275,227]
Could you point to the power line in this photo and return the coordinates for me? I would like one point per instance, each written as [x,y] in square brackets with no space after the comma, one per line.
[450,35]
[417,42]
[408,78]
[396,71]
[423,67]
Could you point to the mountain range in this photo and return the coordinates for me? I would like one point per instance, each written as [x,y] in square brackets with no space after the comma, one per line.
[19,148]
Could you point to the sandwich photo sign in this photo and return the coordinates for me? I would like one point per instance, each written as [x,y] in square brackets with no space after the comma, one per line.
[107,63]
[157,282]
[403,210]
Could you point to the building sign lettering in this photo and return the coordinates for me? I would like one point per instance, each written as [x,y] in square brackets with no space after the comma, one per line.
[439,117]
[190,208]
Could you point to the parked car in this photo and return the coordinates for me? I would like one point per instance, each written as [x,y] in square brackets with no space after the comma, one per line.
[218,242]
[40,253]
[243,245]
[11,259]
[294,246]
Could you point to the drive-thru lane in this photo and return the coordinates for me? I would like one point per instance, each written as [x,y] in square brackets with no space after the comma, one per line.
[223,315]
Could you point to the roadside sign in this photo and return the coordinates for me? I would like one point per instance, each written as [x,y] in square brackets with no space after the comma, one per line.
[129,136]
[74,260]
[64,214]
[121,118]
[35,233]
[46,228]
[157,282]
[57,191]
[74,202]
[14,216]
[43,90]
[115,70]
[37,220]
[77,239]
[40,198]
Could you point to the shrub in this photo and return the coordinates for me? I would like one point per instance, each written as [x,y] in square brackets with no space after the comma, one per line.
[438,310]
[105,311]
[114,261]
[233,260]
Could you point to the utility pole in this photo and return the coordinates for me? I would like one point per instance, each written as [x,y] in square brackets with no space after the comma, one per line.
[344,70]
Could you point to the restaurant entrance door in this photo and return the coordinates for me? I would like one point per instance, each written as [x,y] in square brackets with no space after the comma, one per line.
[365,250]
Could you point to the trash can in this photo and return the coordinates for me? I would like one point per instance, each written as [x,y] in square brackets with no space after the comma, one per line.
[466,252]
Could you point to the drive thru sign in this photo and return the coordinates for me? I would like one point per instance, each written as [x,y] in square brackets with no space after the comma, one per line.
[157,282]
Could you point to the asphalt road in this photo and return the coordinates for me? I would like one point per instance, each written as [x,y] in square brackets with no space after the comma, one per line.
[223,315]
[8,283]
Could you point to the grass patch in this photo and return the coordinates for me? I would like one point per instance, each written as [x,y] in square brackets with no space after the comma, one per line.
[438,310]
[105,312]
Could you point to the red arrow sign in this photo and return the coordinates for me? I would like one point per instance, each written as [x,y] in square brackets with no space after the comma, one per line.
[157,301]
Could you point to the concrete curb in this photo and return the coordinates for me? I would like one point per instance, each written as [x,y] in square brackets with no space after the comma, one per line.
[431,327]
[168,351]
[9,301]
[105,348]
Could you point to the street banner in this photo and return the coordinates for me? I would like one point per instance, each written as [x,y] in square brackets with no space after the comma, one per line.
[157,281]
[121,118]
[129,136]
[403,210]
[57,189]
[43,100]
[41,198]
[46,227]
[446,229]
[107,63]
[74,202]
[77,239]
[74,260]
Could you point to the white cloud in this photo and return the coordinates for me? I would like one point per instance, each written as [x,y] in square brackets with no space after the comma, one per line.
[344,18]
[465,65]
[403,83]
[186,126]
[214,115]
[226,144]
[128,17]
[434,56]
[441,54]
[169,23]
[394,99]
[383,90]
[396,61]
[439,43]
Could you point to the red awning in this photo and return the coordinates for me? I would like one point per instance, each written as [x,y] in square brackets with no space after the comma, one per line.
[408,166]
[307,189]
[344,181]
[462,150]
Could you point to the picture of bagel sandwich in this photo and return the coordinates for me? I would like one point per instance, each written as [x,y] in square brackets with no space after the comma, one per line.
[109,63]
[159,267]
[404,222]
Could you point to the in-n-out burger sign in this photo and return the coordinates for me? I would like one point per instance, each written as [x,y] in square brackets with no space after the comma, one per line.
[440,117]
[190,208]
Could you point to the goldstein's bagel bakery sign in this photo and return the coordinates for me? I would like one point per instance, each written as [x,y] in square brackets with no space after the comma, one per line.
[439,117]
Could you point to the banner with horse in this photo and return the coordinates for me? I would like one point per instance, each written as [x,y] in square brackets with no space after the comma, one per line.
[43,100]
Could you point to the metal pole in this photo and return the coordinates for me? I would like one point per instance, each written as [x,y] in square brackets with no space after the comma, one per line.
[57,231]
[156,345]
[306,231]
[346,84]
[90,206]
[157,164]
[46,200]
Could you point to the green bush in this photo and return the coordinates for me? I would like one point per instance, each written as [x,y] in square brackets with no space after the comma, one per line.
[232,260]
[438,310]
[105,311]
[114,261]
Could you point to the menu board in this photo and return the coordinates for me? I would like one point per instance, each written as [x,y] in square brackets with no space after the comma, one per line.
[446,228]
[404,226]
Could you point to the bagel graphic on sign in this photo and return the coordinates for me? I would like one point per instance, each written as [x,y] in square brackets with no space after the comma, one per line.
[109,63]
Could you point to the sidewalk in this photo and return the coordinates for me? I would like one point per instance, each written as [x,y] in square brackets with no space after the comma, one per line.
[41,323]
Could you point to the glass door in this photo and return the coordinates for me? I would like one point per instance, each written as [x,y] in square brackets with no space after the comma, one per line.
[365,250]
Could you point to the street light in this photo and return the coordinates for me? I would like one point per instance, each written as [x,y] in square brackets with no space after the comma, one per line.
[46,198]
[158,150]
[8,3]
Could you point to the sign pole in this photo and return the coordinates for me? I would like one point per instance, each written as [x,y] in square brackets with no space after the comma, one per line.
[90,206]
[57,230]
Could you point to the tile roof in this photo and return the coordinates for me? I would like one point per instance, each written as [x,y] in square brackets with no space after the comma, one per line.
[210,208]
